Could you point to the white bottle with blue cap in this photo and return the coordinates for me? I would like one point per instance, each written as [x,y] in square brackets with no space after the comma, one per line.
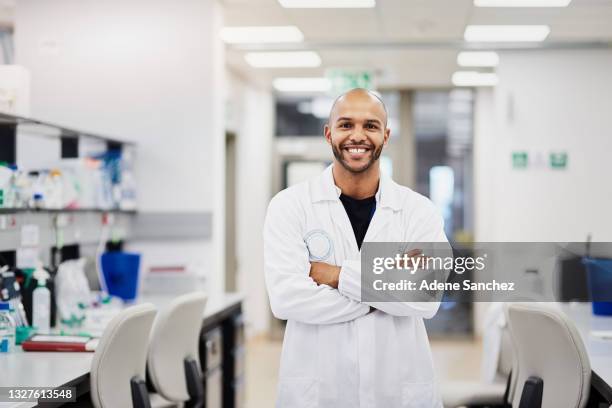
[7,328]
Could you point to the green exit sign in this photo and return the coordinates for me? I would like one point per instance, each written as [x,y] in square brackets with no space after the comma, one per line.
[558,160]
[344,80]
[520,160]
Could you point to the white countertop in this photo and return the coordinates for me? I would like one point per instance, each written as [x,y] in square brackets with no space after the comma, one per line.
[55,369]
[41,369]
[599,350]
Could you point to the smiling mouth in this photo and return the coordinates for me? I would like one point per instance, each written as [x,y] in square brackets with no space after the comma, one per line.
[357,150]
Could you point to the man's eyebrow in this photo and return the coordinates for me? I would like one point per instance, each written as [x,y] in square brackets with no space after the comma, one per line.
[366,121]
[343,118]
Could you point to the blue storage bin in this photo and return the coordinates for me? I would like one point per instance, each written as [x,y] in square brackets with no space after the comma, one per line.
[599,272]
[121,272]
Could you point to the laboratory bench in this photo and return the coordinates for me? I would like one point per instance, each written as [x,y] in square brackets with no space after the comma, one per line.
[598,348]
[222,355]
[221,358]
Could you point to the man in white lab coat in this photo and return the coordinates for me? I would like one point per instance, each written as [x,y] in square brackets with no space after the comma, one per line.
[340,351]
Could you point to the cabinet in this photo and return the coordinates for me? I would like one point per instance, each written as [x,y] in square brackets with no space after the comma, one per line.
[222,357]
[212,367]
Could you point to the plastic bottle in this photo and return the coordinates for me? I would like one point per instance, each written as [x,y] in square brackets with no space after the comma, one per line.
[7,329]
[128,182]
[5,180]
[38,189]
[10,200]
[54,190]
[22,185]
[41,302]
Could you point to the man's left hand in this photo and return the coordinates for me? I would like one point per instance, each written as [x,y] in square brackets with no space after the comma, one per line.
[325,274]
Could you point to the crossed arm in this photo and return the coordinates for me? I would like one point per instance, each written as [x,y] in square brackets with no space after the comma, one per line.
[326,274]
[316,292]
[293,294]
[347,281]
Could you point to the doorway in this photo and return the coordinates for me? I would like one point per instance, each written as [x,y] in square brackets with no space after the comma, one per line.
[231,263]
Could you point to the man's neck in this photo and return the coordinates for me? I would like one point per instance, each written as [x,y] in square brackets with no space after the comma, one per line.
[357,185]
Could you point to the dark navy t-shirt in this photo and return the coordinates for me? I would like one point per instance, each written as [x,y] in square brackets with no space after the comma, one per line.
[360,213]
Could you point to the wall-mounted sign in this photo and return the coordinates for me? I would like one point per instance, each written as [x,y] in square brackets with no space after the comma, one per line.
[520,160]
[558,160]
[343,80]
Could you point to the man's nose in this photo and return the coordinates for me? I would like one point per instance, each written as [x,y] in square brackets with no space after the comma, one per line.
[358,135]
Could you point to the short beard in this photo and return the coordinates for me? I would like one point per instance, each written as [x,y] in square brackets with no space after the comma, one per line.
[375,156]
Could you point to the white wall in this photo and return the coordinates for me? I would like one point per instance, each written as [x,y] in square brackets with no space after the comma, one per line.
[485,140]
[545,101]
[253,109]
[146,70]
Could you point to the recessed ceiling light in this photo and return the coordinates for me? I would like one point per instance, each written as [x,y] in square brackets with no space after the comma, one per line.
[272,34]
[302,84]
[495,33]
[283,59]
[328,3]
[474,78]
[522,3]
[477,59]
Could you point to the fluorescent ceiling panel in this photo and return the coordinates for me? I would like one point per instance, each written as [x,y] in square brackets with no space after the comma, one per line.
[477,59]
[328,3]
[522,3]
[302,84]
[474,78]
[501,33]
[283,59]
[253,35]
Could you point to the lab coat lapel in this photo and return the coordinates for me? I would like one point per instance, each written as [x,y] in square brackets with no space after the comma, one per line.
[343,223]
[387,203]
[325,190]
[381,218]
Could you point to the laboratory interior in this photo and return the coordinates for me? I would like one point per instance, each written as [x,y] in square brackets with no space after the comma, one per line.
[144,265]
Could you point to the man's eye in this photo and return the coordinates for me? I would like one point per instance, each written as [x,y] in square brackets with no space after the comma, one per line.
[371,126]
[345,125]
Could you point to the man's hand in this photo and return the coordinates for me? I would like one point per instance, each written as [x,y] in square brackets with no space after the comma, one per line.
[325,274]
[410,259]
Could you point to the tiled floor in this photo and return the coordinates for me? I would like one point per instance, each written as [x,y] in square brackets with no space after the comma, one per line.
[262,360]
[453,359]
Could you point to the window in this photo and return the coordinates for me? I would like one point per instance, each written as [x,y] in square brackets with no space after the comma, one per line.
[443,127]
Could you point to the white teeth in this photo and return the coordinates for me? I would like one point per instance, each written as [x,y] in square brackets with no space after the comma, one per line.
[353,150]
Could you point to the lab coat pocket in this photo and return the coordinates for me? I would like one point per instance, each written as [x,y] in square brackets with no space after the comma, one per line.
[298,393]
[419,395]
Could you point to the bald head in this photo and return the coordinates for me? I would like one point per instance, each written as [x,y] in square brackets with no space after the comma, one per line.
[359,98]
[357,130]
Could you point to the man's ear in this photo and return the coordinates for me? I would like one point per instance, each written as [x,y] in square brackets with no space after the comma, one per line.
[327,132]
[387,135]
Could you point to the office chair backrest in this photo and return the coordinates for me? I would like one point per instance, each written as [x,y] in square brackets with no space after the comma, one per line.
[175,339]
[548,346]
[120,357]
[506,354]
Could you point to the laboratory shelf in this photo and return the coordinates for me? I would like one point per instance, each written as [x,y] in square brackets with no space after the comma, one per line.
[53,130]
[64,211]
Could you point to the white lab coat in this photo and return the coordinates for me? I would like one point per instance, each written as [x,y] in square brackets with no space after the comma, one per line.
[336,352]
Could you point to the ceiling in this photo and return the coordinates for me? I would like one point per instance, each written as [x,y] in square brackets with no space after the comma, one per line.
[407,43]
